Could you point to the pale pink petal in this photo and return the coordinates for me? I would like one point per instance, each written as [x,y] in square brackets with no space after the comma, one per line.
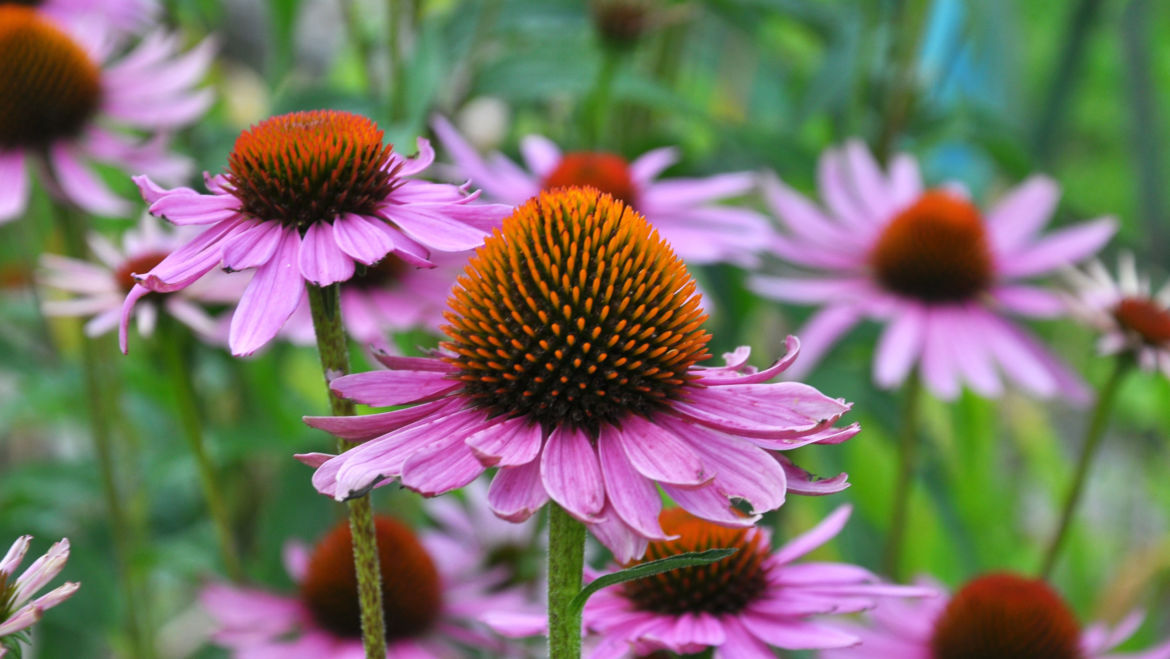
[517,492]
[81,186]
[797,634]
[807,290]
[658,454]
[973,360]
[821,333]
[1030,301]
[686,192]
[571,474]
[385,388]
[899,346]
[805,220]
[652,163]
[1058,249]
[369,426]
[15,555]
[1018,216]
[434,229]
[815,537]
[905,181]
[445,465]
[253,246]
[362,239]
[541,155]
[271,297]
[321,261]
[939,371]
[421,160]
[868,180]
[13,185]
[632,495]
[470,164]
[509,443]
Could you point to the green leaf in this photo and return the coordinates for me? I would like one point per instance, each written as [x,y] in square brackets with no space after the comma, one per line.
[689,559]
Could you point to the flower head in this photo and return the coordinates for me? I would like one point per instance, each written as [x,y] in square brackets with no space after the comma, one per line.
[574,336]
[430,604]
[1130,316]
[932,266]
[741,605]
[17,612]
[57,95]
[307,197]
[682,210]
[995,615]
[98,289]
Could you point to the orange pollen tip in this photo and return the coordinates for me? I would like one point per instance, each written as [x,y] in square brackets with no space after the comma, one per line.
[589,315]
[1006,616]
[124,275]
[50,88]
[303,167]
[411,588]
[607,172]
[1146,318]
[725,586]
[936,250]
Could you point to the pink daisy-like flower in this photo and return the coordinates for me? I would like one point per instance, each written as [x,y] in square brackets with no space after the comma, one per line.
[931,266]
[389,296]
[1129,315]
[98,289]
[60,100]
[741,606]
[307,197]
[998,615]
[431,604]
[574,334]
[16,611]
[123,15]
[683,210]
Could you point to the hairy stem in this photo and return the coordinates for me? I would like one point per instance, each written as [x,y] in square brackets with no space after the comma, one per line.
[566,558]
[325,306]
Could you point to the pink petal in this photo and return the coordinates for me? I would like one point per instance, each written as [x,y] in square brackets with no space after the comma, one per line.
[658,454]
[385,388]
[253,246]
[741,470]
[868,179]
[571,474]
[433,229]
[13,185]
[81,186]
[1023,212]
[899,347]
[709,503]
[540,154]
[815,537]
[652,163]
[939,370]
[363,238]
[422,160]
[321,261]
[271,297]
[517,492]
[441,467]
[624,542]
[821,333]
[905,181]
[1030,301]
[806,483]
[737,375]
[1058,249]
[741,643]
[509,443]
[369,426]
[780,410]
[632,495]
[973,359]
[797,634]
[804,220]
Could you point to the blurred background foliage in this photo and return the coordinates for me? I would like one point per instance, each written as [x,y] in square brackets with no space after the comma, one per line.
[983,91]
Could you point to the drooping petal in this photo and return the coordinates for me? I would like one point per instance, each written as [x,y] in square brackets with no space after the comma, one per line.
[386,388]
[657,453]
[632,495]
[509,443]
[271,297]
[14,189]
[517,492]
[1018,216]
[571,474]
[321,261]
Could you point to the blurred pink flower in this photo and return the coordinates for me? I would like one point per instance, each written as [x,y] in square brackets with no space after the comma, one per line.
[121,15]
[1129,315]
[78,104]
[741,606]
[996,615]
[98,289]
[16,611]
[928,263]
[431,604]
[306,197]
[683,210]
[589,395]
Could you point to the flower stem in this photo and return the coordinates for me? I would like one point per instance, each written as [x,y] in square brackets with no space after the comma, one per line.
[95,370]
[1093,435]
[170,344]
[596,109]
[907,464]
[566,558]
[325,305]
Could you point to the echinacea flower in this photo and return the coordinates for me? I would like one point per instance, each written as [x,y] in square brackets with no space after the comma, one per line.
[929,264]
[389,296]
[17,613]
[122,15]
[741,606]
[63,102]
[98,289]
[682,210]
[1129,315]
[571,365]
[307,197]
[998,615]
[431,606]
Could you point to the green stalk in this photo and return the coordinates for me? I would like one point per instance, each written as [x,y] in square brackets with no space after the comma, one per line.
[95,370]
[325,306]
[355,28]
[170,344]
[908,22]
[1093,436]
[907,465]
[566,558]
[595,112]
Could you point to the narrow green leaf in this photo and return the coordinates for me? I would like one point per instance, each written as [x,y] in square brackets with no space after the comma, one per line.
[650,569]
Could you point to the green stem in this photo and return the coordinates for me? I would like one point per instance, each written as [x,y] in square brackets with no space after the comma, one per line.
[325,306]
[1093,436]
[908,20]
[170,343]
[397,104]
[907,465]
[96,381]
[596,109]
[566,558]
[1082,21]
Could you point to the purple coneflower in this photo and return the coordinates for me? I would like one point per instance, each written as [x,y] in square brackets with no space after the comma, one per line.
[17,613]
[934,268]
[98,289]
[1129,315]
[741,606]
[60,100]
[308,197]
[571,365]
[683,210]
[431,604]
[122,15]
[999,615]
